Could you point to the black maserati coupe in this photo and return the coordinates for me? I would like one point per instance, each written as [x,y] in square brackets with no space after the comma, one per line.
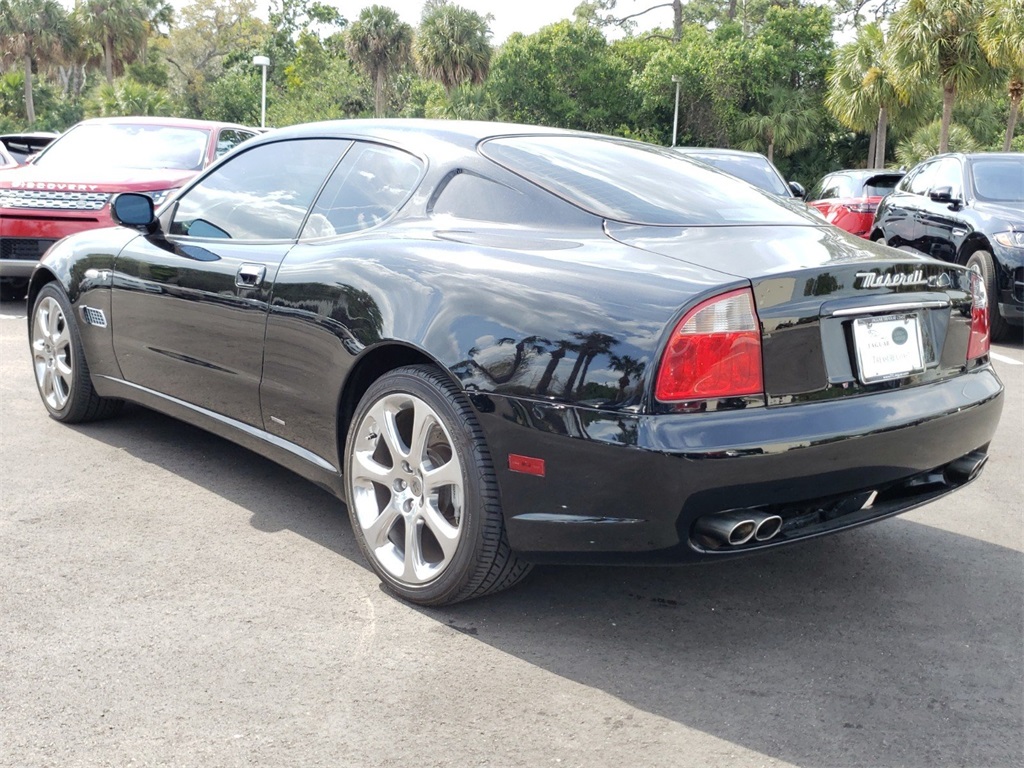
[503,345]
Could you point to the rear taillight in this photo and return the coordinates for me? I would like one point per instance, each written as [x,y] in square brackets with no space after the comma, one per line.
[714,352]
[860,206]
[978,346]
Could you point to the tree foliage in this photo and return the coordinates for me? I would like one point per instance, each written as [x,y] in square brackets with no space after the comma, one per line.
[939,40]
[380,43]
[564,75]
[453,46]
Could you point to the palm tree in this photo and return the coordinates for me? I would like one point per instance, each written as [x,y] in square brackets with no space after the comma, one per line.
[788,122]
[1002,39]
[381,44]
[34,31]
[452,45]
[862,90]
[126,97]
[925,142]
[120,26]
[158,14]
[939,39]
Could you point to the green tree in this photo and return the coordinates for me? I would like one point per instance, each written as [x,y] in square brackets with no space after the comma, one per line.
[564,75]
[925,142]
[121,28]
[862,91]
[1002,39]
[211,34]
[788,120]
[33,31]
[321,84]
[452,45]
[380,43]
[939,40]
[128,97]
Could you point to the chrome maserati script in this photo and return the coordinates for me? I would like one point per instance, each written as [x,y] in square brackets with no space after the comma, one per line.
[875,280]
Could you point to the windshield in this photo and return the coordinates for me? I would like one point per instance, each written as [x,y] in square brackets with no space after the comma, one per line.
[106,145]
[636,183]
[751,168]
[999,180]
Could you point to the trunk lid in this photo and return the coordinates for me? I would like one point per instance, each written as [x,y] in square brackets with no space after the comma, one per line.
[839,316]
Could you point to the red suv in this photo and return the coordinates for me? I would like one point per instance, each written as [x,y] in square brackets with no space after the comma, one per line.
[848,199]
[67,188]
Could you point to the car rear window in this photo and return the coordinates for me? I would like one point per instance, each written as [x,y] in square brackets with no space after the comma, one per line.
[880,186]
[636,183]
[752,169]
[126,145]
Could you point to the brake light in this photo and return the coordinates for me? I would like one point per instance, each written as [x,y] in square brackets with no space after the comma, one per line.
[860,206]
[714,352]
[978,346]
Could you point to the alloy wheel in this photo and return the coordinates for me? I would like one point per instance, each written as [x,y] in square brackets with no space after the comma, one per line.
[407,488]
[51,353]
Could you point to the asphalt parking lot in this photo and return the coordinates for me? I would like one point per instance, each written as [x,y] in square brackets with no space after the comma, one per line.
[167,598]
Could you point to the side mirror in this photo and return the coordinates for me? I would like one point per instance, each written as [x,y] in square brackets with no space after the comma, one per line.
[941,194]
[130,209]
[797,189]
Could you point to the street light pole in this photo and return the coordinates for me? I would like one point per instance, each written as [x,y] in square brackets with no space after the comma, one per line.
[675,121]
[263,62]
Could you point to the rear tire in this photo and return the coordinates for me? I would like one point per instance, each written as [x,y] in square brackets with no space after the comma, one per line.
[983,263]
[59,364]
[422,493]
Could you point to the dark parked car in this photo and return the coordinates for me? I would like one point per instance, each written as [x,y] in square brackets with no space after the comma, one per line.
[753,167]
[504,345]
[67,188]
[849,199]
[966,209]
[22,146]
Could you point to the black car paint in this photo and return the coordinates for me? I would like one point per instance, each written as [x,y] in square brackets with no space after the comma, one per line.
[503,307]
[952,229]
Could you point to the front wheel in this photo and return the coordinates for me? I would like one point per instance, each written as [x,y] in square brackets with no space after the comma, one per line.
[983,263]
[58,360]
[422,494]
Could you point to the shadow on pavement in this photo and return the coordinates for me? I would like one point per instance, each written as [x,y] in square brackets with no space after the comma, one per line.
[894,644]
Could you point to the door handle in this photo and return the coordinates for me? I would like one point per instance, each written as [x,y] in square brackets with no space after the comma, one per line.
[250,275]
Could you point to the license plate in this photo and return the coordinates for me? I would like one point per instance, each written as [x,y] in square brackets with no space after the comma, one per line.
[888,347]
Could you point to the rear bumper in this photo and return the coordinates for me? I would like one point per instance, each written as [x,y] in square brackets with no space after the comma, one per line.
[621,488]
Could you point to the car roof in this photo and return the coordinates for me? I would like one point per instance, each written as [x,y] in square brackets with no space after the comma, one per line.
[171,122]
[465,133]
[866,173]
[718,152]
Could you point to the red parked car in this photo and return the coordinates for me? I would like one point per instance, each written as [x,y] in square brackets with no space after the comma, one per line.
[67,188]
[849,199]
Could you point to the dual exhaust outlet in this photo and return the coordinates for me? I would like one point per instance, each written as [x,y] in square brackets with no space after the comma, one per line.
[736,528]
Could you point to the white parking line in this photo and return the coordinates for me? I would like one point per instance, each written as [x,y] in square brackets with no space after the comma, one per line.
[1005,359]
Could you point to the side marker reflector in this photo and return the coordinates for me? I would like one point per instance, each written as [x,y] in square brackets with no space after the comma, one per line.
[526,464]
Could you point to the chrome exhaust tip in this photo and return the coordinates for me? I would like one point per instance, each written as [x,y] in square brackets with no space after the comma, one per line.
[768,528]
[731,528]
[966,468]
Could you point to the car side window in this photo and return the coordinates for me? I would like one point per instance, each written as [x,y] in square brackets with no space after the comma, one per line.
[818,190]
[467,195]
[921,180]
[834,188]
[259,194]
[230,138]
[370,183]
[949,174]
